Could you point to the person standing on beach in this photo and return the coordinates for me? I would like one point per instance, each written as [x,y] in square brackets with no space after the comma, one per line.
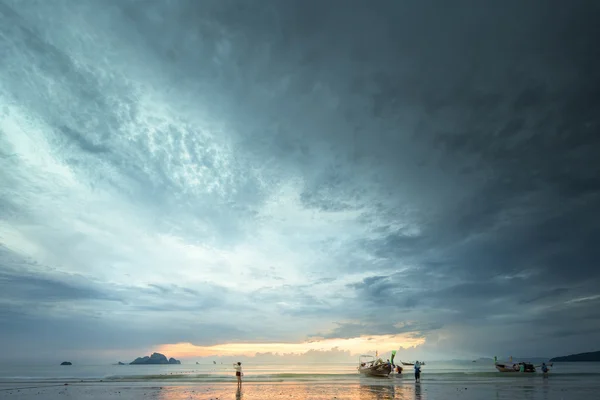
[417,371]
[238,372]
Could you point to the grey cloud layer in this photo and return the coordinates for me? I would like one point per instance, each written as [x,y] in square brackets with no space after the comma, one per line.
[460,141]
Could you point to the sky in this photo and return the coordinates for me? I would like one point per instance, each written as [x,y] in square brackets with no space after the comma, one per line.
[322,179]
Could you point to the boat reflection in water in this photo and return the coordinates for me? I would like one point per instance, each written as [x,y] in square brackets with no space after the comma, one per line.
[390,392]
[377,392]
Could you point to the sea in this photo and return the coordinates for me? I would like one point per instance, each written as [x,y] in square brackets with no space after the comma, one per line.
[439,380]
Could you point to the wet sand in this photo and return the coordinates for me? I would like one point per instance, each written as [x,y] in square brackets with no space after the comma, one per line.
[293,391]
[538,389]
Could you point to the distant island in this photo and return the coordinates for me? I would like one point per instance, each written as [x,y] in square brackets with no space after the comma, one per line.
[591,356]
[155,358]
[66,363]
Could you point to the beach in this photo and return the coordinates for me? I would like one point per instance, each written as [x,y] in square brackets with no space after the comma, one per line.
[530,390]
[330,381]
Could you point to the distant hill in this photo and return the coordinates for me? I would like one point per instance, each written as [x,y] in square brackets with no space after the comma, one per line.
[591,356]
[534,360]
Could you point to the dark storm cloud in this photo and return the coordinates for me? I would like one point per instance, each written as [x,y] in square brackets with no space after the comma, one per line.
[460,139]
[352,330]
[41,289]
[21,282]
[82,142]
[544,295]
[506,108]
[43,311]
[42,335]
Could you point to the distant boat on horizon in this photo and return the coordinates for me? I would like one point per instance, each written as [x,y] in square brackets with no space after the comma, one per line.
[410,364]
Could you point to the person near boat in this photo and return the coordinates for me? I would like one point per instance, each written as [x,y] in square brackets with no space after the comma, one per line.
[417,371]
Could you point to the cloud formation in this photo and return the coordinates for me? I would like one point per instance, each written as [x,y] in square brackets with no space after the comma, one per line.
[213,173]
[354,345]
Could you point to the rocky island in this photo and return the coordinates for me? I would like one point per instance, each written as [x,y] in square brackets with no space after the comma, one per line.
[66,363]
[155,358]
[592,356]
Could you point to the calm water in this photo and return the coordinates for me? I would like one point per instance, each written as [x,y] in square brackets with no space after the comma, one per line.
[191,373]
[468,381]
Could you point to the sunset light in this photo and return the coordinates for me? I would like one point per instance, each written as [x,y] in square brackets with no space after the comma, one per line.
[362,344]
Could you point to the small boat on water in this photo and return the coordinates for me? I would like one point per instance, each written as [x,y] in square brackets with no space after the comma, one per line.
[368,365]
[411,364]
[517,367]
[527,367]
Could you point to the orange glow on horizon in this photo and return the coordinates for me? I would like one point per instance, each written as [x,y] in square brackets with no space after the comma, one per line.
[362,344]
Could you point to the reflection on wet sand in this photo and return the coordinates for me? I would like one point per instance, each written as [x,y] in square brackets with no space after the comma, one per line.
[418,391]
[292,391]
[390,392]
[376,392]
[365,390]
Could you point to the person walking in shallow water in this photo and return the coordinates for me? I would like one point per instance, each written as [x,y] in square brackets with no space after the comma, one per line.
[545,370]
[417,371]
[238,372]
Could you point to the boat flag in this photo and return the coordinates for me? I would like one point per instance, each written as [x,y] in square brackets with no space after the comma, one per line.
[393,355]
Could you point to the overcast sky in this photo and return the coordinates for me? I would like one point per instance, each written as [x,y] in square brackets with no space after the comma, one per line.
[198,175]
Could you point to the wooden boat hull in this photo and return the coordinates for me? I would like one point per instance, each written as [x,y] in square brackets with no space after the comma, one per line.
[510,368]
[505,368]
[382,370]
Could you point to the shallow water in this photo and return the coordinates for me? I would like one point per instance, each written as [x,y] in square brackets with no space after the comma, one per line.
[391,389]
[440,380]
[432,372]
